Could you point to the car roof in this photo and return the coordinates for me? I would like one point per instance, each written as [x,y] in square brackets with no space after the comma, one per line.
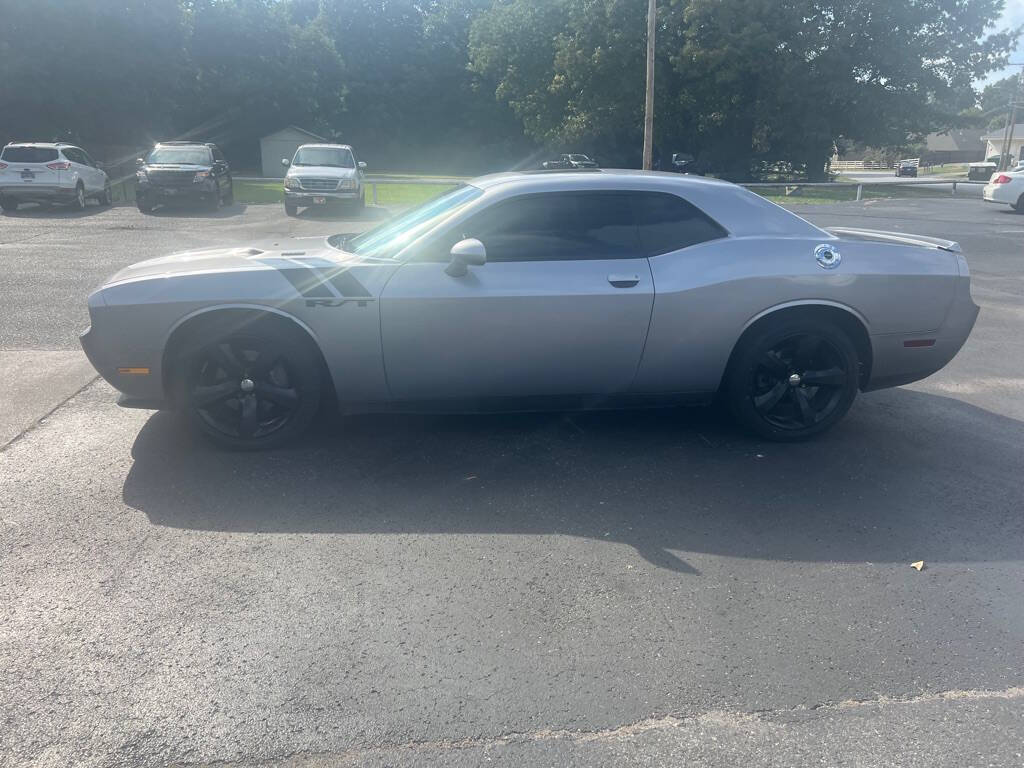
[206,144]
[326,145]
[739,210]
[41,144]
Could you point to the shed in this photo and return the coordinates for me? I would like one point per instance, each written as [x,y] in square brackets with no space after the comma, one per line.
[282,144]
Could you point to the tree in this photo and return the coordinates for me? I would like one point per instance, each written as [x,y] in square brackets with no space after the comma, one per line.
[749,80]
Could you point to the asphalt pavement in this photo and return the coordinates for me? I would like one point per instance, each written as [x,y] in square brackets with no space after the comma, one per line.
[643,588]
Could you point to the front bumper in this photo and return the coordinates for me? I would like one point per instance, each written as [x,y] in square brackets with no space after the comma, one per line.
[203,191]
[306,197]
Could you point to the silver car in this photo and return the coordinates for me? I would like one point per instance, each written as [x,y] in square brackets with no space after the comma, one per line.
[579,289]
[319,174]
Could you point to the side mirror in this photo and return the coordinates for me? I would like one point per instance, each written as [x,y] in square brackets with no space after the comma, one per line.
[139,162]
[466,253]
[285,162]
[362,166]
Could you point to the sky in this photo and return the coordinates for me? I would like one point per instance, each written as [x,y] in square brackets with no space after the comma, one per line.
[1013,15]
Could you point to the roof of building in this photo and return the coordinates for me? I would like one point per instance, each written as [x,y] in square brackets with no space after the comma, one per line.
[997,135]
[296,128]
[955,140]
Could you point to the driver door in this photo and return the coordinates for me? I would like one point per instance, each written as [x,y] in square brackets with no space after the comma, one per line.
[561,307]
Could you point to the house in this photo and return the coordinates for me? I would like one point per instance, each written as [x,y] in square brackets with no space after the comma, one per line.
[994,141]
[282,145]
[957,146]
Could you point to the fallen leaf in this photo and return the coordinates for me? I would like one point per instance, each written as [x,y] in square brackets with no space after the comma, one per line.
[918,565]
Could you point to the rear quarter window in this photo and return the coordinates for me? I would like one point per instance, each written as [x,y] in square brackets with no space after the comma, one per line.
[28,155]
[668,223]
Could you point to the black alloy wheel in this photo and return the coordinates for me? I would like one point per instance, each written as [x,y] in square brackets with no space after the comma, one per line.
[795,381]
[253,391]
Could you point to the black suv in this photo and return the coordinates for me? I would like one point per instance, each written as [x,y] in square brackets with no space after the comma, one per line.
[183,170]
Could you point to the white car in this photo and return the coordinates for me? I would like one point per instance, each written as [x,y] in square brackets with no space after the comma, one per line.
[37,172]
[322,173]
[1006,187]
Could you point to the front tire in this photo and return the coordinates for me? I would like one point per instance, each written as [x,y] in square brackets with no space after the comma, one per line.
[8,205]
[143,204]
[792,380]
[291,209]
[229,198]
[106,197]
[250,389]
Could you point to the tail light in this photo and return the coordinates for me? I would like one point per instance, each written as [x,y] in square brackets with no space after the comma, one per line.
[61,166]
[2,166]
[1002,178]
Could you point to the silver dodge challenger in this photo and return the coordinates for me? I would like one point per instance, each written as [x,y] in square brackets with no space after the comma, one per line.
[542,290]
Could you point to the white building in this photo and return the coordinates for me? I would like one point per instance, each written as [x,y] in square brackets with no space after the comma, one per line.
[994,141]
[282,144]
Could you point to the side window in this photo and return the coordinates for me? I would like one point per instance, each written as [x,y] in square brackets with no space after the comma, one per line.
[558,226]
[668,223]
[218,156]
[86,159]
[73,155]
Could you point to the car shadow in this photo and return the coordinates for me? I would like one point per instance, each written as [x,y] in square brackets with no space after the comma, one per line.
[191,210]
[906,476]
[56,211]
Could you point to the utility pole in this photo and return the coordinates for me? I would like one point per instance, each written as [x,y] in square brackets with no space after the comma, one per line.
[652,17]
[1004,155]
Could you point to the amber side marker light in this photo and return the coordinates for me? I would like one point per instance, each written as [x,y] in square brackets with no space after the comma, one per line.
[919,343]
[134,371]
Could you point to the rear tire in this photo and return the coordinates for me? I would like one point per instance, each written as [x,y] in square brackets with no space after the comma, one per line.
[80,201]
[792,379]
[8,205]
[1019,205]
[250,388]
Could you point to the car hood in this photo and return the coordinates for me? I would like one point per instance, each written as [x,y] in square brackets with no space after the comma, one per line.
[322,171]
[302,251]
[175,167]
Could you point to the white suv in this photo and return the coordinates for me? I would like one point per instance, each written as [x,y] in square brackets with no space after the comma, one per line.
[36,172]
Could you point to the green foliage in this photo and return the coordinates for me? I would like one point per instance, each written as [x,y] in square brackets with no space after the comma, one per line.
[474,85]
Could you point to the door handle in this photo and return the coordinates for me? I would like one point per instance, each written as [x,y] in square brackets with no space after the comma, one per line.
[623,281]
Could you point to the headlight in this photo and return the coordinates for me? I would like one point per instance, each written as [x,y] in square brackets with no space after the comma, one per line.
[347,184]
[201,176]
[291,182]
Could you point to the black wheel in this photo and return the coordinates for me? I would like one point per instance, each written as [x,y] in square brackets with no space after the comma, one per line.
[229,198]
[7,204]
[291,209]
[213,203]
[792,380]
[106,197]
[79,202]
[252,390]
[1018,206]
[143,204]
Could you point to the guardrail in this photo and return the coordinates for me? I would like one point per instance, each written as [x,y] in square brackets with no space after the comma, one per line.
[789,187]
[794,185]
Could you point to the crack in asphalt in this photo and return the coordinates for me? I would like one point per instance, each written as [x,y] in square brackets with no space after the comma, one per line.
[35,424]
[758,719]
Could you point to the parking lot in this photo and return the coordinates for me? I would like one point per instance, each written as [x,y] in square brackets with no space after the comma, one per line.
[653,587]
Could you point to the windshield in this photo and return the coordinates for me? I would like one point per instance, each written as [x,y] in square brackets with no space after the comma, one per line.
[179,156]
[332,157]
[387,239]
[579,158]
